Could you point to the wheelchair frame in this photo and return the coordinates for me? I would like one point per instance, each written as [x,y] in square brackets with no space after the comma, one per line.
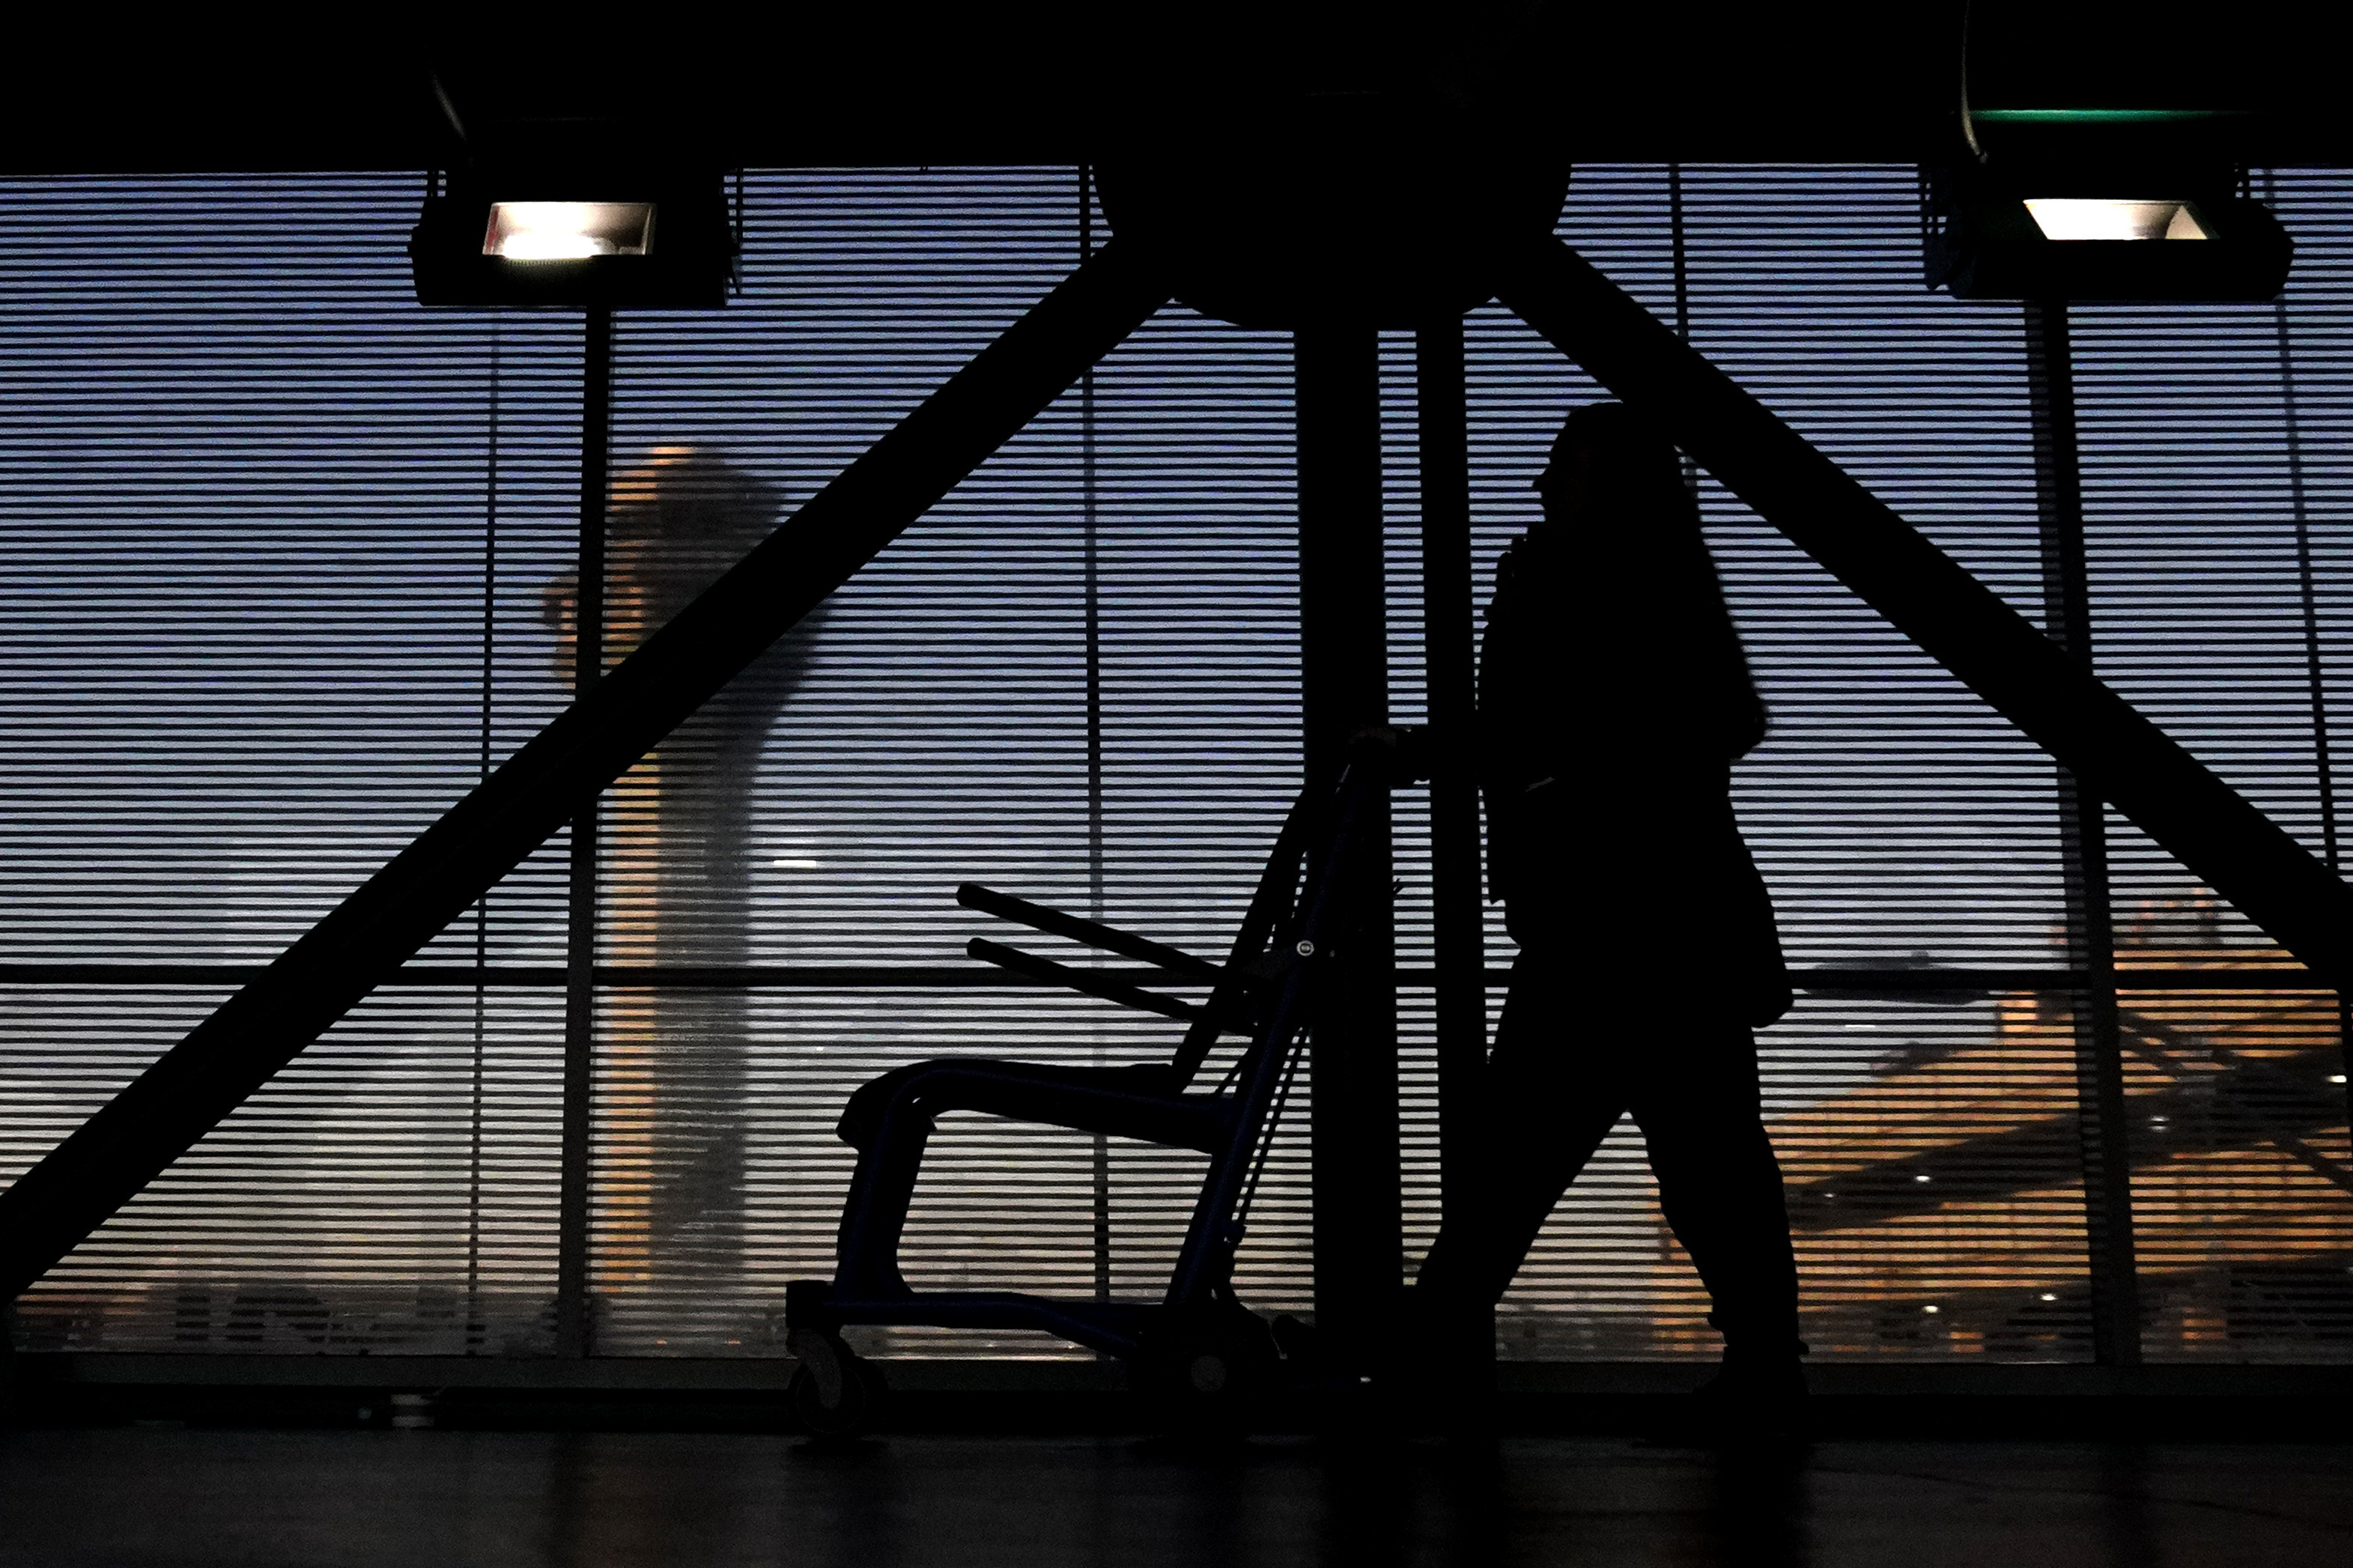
[1196,1334]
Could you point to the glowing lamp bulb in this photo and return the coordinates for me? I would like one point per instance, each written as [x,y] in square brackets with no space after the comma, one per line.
[2070,217]
[568,231]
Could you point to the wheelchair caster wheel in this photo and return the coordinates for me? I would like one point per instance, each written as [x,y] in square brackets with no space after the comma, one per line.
[1207,1385]
[1209,1374]
[835,1389]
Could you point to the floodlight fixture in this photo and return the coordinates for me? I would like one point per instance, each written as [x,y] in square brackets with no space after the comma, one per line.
[2091,218]
[2056,232]
[568,231]
[580,237]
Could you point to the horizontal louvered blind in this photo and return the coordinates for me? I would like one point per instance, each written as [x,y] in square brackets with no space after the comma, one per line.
[938,722]
[263,622]
[288,563]
[1932,1147]
[2219,522]
[1895,816]
[938,726]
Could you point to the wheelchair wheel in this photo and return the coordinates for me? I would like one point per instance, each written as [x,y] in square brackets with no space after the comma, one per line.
[835,1391]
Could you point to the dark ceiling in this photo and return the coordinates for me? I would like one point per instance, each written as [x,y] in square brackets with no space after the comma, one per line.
[922,84]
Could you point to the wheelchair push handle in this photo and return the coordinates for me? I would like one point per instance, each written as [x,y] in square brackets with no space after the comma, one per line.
[1094,933]
[1090,983]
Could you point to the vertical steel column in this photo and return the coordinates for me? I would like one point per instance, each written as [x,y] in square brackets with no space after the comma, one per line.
[1458,917]
[489,677]
[2316,665]
[1679,254]
[1343,687]
[574,1331]
[2084,852]
[1092,590]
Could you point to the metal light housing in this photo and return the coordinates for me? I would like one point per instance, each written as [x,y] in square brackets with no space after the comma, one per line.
[578,238]
[2119,233]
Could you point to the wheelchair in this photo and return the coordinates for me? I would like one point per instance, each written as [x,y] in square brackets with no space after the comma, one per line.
[1196,1349]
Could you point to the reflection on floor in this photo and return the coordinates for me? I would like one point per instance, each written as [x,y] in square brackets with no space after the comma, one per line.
[134,1498]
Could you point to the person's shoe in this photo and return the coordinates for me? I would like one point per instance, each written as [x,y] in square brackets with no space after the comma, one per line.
[1752,1401]
[1748,1405]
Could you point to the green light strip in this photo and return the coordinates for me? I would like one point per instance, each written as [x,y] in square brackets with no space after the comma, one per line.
[2104,116]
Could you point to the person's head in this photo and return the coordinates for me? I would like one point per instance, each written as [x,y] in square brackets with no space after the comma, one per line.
[1607,460]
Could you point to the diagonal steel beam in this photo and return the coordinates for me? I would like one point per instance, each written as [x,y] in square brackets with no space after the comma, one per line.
[2114,751]
[58,1203]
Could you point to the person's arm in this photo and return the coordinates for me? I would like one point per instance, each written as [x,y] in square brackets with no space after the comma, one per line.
[1731,714]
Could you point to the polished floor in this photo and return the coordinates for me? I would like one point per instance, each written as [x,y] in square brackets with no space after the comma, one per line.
[131,1497]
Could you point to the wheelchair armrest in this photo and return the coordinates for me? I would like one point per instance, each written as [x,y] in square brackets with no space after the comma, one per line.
[862,1118]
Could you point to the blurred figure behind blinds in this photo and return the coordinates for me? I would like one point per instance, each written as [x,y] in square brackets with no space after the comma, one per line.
[1613,701]
[678,882]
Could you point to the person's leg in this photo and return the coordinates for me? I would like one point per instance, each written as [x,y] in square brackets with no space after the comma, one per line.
[1547,1102]
[1701,1114]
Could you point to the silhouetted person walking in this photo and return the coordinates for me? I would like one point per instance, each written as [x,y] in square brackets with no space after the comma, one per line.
[1613,699]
